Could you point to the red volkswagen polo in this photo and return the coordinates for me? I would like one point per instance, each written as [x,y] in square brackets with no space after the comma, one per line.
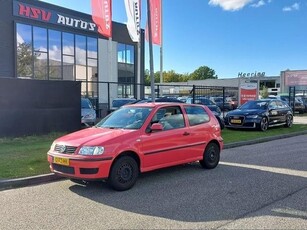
[138,138]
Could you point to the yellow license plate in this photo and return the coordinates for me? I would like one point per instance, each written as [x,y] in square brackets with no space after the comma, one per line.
[61,161]
[235,121]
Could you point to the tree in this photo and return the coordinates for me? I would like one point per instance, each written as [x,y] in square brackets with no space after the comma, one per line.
[264,93]
[203,73]
[24,60]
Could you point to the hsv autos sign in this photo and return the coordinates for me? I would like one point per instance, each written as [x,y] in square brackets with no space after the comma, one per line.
[44,15]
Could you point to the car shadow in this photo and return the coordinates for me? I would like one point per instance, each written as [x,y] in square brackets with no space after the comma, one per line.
[191,194]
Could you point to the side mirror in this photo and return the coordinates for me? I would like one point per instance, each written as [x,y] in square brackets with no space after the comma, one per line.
[156,127]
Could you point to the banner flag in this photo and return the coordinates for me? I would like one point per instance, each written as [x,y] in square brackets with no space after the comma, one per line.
[134,19]
[102,16]
[155,17]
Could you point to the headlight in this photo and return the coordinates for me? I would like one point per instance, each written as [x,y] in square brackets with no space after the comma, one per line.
[252,116]
[52,146]
[89,116]
[91,150]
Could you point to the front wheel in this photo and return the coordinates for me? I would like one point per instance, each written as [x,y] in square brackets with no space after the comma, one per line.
[124,173]
[289,121]
[264,124]
[211,156]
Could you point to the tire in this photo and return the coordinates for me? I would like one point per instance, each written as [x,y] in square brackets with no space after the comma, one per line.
[211,156]
[264,124]
[289,121]
[124,173]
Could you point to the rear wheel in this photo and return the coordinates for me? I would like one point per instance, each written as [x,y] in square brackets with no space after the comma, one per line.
[289,121]
[211,156]
[124,173]
[264,124]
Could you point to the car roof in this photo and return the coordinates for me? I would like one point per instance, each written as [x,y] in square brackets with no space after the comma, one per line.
[155,104]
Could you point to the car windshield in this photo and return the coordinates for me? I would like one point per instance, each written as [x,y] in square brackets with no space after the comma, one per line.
[255,105]
[120,102]
[218,99]
[125,118]
[204,101]
[85,104]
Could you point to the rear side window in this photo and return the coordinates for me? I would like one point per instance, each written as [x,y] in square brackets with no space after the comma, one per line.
[196,115]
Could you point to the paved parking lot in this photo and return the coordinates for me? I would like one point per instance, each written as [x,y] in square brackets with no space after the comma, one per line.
[300,120]
[261,186]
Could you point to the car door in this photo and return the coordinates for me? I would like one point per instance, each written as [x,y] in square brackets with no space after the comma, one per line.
[275,113]
[168,146]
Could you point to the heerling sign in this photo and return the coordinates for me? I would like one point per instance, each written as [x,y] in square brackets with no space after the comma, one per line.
[256,74]
[40,14]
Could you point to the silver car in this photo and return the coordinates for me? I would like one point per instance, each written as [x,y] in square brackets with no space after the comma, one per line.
[88,113]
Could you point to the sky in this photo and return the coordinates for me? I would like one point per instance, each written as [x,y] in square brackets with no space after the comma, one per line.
[228,36]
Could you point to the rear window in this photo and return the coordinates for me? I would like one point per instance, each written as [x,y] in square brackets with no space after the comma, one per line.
[196,115]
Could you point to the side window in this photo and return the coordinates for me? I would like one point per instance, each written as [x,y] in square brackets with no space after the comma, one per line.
[280,105]
[196,115]
[273,105]
[169,117]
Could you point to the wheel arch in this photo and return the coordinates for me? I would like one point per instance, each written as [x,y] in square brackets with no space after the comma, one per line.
[215,142]
[132,154]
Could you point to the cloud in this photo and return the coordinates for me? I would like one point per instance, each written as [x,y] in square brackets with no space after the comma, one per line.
[295,6]
[259,4]
[231,5]
[234,5]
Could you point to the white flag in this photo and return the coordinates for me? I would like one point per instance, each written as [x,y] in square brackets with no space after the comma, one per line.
[134,19]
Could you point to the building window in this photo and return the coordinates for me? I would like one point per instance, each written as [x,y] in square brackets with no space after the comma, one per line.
[126,72]
[55,54]
[48,54]
[24,51]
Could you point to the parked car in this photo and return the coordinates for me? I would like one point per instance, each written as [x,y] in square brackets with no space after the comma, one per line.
[222,103]
[298,104]
[260,114]
[88,112]
[138,138]
[118,102]
[304,99]
[211,105]
[233,101]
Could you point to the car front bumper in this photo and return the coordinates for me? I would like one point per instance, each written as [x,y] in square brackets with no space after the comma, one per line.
[246,123]
[72,166]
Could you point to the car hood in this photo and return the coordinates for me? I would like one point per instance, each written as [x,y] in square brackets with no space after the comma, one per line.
[245,112]
[94,136]
[86,111]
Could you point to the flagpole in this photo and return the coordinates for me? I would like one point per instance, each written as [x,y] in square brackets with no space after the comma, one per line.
[151,68]
[139,69]
[161,47]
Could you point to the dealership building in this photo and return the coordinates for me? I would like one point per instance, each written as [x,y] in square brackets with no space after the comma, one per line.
[47,42]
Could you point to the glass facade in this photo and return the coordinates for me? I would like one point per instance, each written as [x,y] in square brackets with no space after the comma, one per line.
[126,70]
[48,54]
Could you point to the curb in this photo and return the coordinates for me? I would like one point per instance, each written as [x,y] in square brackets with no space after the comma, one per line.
[41,179]
[28,181]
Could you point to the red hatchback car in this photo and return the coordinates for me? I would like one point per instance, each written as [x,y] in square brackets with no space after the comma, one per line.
[138,138]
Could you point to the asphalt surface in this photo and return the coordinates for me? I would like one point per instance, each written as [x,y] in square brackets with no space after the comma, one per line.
[262,186]
[36,180]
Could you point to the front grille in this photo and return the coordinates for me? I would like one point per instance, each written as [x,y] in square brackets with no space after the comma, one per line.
[65,149]
[63,169]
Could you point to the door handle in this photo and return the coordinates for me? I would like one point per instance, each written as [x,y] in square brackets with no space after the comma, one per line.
[186,134]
